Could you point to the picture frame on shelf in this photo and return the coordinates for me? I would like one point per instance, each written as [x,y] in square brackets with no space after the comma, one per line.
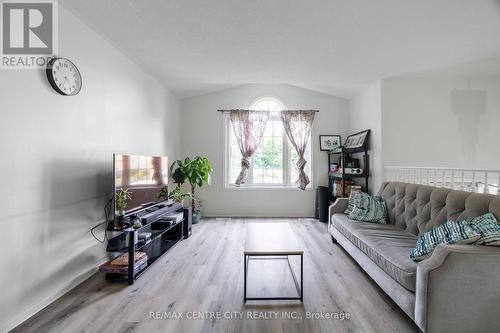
[357,140]
[329,142]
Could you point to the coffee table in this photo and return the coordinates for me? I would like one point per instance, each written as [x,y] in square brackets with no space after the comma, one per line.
[273,241]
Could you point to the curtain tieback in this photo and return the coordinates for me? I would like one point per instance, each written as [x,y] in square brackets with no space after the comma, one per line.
[246,163]
[301,163]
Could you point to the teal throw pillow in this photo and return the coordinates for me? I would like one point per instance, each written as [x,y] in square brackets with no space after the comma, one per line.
[451,232]
[354,199]
[368,208]
[489,229]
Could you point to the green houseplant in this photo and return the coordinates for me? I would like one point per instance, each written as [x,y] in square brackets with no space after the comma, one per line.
[121,203]
[178,196]
[197,172]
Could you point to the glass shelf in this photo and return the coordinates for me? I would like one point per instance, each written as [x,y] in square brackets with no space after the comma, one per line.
[156,229]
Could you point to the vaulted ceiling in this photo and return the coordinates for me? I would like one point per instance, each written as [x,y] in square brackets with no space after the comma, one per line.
[333,46]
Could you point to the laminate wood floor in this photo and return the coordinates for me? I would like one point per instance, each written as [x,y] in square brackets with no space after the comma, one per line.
[203,276]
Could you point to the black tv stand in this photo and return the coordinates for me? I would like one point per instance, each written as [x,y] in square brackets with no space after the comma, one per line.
[162,236]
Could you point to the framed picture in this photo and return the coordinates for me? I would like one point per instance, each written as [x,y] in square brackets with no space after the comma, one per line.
[358,140]
[329,142]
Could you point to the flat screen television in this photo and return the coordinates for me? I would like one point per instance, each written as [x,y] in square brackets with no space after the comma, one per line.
[143,176]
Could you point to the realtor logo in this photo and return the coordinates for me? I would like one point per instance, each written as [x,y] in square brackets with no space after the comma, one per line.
[28,33]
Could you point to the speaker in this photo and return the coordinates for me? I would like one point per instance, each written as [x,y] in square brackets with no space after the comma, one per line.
[322,199]
[188,222]
[353,171]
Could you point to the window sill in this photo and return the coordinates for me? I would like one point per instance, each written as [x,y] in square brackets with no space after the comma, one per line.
[265,187]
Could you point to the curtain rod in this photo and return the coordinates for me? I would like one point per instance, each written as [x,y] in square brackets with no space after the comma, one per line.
[224,111]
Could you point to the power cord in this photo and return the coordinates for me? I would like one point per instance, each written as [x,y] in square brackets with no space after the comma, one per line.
[107,214]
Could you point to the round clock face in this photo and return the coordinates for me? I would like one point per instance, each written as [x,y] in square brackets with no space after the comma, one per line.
[64,76]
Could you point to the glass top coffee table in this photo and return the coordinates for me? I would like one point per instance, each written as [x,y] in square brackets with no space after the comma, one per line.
[273,242]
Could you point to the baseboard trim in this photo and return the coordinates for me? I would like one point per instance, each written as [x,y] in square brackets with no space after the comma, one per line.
[256,217]
[42,305]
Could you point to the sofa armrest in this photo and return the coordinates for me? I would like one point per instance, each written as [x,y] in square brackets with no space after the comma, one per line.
[338,206]
[458,289]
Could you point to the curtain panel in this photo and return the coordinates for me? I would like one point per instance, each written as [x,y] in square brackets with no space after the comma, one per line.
[248,127]
[298,125]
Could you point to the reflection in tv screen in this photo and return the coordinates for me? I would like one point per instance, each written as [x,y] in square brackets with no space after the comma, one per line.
[143,176]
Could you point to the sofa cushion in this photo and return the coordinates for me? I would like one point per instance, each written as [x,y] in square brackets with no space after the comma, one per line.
[385,244]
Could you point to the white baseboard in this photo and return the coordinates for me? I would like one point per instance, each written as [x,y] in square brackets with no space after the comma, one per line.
[255,217]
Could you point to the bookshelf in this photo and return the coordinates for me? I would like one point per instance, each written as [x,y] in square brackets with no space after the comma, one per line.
[340,156]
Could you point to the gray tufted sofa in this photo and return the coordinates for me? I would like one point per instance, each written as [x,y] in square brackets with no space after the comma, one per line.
[457,289]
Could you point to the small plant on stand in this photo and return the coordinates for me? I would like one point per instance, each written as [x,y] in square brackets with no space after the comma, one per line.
[178,196]
[121,201]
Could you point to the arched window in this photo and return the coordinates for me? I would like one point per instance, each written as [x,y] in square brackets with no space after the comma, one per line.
[274,163]
[270,104]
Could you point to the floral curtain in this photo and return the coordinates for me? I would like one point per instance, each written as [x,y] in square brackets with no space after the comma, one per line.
[297,125]
[248,128]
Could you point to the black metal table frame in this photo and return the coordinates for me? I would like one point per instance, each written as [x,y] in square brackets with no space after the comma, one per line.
[277,256]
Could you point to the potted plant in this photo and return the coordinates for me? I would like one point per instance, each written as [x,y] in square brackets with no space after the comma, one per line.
[178,196]
[121,203]
[197,172]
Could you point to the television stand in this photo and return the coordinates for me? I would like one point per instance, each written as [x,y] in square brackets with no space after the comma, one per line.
[153,239]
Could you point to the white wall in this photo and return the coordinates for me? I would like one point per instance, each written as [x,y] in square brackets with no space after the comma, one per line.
[366,113]
[56,164]
[202,134]
[441,122]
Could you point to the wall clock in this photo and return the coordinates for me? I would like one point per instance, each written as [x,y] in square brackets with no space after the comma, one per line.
[64,76]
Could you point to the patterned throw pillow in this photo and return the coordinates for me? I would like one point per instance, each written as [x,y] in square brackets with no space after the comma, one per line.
[368,208]
[449,233]
[354,200]
[489,229]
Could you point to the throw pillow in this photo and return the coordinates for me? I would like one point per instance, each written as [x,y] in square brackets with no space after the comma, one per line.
[368,208]
[489,229]
[354,199]
[451,232]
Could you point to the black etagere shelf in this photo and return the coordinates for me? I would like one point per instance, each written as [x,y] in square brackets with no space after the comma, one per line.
[341,155]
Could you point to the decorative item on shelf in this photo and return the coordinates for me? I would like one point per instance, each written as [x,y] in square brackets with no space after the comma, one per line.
[178,196]
[121,201]
[136,224]
[337,150]
[357,140]
[120,264]
[356,189]
[338,188]
[329,142]
[197,172]
[144,237]
[351,162]
[334,167]
[123,259]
